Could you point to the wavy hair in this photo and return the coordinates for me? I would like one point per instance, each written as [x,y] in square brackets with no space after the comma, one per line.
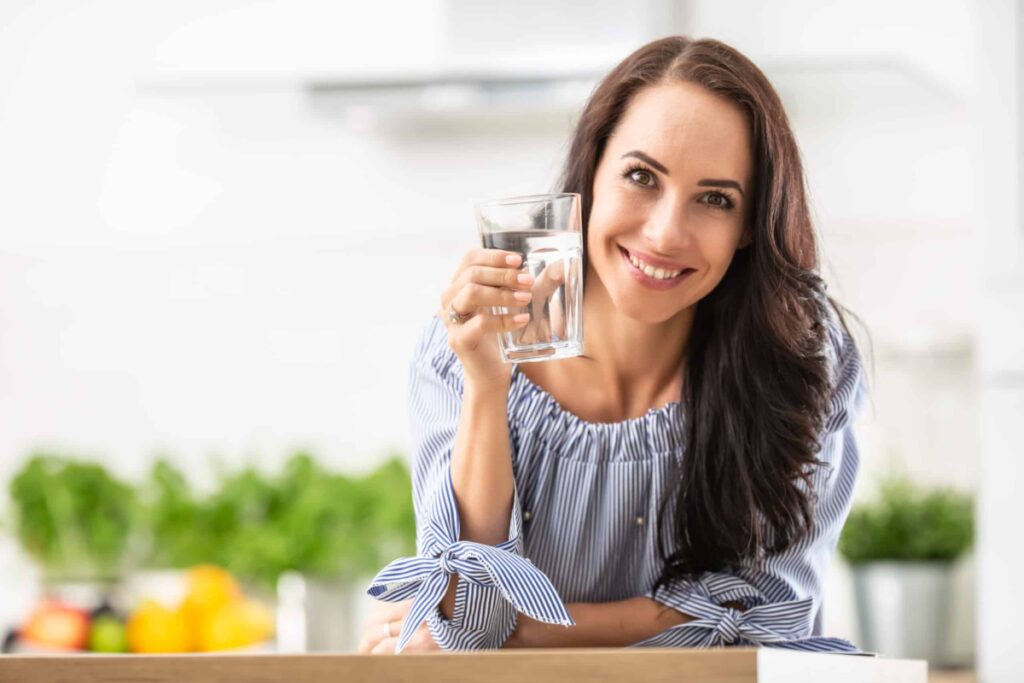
[757,383]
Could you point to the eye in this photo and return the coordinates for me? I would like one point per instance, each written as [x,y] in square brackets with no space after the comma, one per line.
[638,175]
[718,200]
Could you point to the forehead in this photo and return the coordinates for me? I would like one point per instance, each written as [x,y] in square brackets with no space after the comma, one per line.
[688,128]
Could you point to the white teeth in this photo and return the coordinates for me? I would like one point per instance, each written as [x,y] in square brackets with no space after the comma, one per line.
[656,273]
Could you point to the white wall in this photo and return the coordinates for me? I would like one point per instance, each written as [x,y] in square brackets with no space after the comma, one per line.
[165,253]
[242,268]
[1000,88]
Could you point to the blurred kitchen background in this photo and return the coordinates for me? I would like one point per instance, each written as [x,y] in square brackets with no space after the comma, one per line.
[225,222]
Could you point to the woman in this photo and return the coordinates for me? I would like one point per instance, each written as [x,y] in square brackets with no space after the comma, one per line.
[684,482]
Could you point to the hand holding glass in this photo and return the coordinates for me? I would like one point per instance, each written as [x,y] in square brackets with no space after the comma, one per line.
[546,230]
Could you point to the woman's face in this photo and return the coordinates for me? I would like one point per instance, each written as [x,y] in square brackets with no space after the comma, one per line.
[670,199]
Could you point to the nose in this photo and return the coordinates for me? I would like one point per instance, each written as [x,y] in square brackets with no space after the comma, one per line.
[666,231]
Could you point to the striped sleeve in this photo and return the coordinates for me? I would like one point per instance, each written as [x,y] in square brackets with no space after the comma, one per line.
[495,582]
[782,596]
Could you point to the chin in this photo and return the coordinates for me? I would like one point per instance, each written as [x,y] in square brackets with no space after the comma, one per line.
[645,313]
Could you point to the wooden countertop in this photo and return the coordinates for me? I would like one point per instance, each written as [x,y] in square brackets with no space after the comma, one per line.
[959,676]
[725,665]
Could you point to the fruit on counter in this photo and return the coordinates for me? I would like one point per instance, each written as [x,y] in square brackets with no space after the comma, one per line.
[154,628]
[208,588]
[235,625]
[213,615]
[56,624]
[108,634]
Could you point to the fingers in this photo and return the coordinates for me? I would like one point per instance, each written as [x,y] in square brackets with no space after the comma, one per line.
[382,612]
[559,319]
[547,310]
[467,336]
[373,633]
[475,297]
[488,277]
[375,637]
[489,323]
[493,258]
[507,276]
[385,647]
[490,286]
[369,639]
[477,286]
[550,279]
[366,644]
[421,641]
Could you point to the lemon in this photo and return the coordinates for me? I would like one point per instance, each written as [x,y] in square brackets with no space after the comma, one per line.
[235,625]
[207,590]
[154,628]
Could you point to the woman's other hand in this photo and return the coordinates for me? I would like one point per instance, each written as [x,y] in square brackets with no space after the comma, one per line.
[385,617]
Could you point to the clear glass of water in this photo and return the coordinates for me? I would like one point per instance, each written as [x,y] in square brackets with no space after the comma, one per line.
[546,230]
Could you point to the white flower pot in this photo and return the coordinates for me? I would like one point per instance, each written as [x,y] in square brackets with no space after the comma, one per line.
[903,608]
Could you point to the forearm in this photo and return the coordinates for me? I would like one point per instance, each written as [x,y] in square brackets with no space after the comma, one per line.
[481,470]
[600,624]
[603,624]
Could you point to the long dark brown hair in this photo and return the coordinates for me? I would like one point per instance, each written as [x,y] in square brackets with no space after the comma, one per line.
[757,384]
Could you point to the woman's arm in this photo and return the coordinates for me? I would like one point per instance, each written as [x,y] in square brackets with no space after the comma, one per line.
[462,472]
[481,476]
[601,624]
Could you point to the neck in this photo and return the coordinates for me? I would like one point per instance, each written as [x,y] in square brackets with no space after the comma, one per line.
[637,363]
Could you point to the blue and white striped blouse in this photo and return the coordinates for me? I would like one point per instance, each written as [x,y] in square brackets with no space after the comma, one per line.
[582,527]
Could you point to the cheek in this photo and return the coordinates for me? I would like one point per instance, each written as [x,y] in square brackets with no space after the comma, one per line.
[718,250]
[717,240]
[598,228]
[609,217]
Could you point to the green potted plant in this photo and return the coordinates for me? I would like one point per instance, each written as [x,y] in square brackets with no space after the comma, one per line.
[73,518]
[902,548]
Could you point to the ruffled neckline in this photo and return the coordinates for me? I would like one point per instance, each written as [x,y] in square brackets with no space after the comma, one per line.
[658,431]
[535,390]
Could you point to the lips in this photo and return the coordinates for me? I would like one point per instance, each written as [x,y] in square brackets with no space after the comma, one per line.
[652,282]
[654,261]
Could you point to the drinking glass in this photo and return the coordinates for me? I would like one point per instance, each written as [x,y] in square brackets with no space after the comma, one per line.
[546,231]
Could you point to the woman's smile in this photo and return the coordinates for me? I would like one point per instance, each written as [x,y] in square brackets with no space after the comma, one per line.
[651,276]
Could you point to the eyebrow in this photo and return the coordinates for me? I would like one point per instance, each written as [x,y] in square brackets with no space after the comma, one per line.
[706,182]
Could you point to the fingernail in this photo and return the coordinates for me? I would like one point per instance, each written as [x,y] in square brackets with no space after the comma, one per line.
[524,278]
[512,259]
[523,296]
[521,318]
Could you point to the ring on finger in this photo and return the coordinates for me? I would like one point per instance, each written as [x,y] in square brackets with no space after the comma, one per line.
[456,317]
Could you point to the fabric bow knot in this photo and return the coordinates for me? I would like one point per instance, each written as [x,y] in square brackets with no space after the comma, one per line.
[446,561]
[779,624]
[520,583]
[729,624]
[768,623]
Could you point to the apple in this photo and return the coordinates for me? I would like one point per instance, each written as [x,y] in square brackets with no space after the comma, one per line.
[58,625]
